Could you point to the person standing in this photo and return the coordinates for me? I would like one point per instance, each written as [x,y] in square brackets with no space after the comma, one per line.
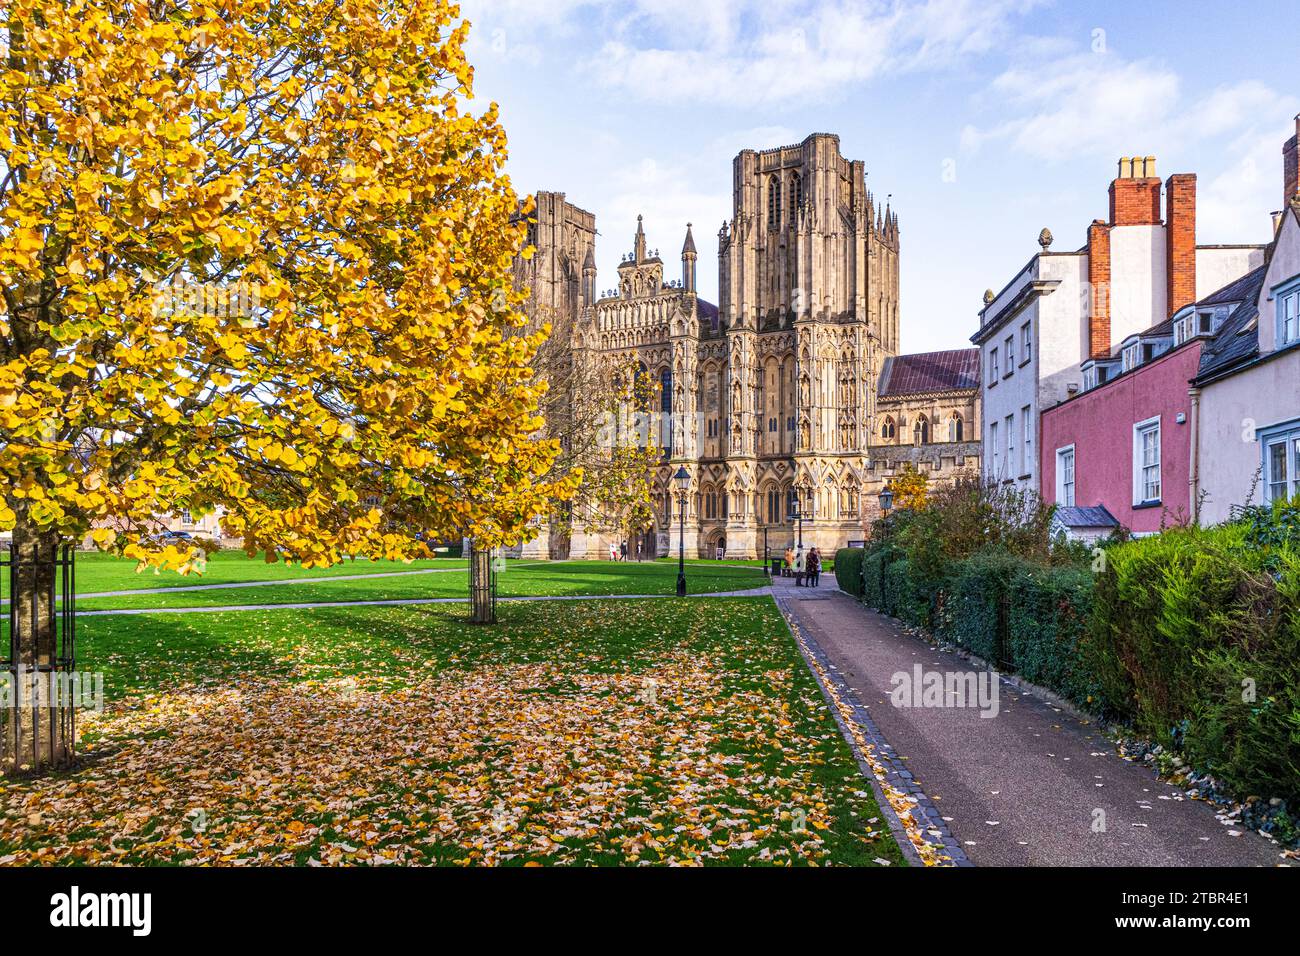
[814,567]
[799,560]
[788,567]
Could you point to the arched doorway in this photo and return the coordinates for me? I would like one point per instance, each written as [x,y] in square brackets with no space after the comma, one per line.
[646,545]
[713,542]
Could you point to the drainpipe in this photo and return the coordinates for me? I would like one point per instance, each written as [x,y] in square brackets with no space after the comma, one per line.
[1194,472]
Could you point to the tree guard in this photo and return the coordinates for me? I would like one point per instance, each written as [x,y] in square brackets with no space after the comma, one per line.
[482,586]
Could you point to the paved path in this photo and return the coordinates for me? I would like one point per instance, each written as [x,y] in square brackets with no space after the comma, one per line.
[400,602]
[1022,788]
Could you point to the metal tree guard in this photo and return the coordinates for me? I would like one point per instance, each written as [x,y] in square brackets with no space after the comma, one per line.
[40,718]
[482,586]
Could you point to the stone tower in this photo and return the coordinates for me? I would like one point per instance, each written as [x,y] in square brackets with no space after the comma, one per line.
[808,298]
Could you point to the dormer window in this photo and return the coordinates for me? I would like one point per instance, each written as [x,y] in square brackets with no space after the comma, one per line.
[1132,356]
[1288,317]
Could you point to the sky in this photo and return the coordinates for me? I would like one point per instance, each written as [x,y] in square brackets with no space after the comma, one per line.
[980,121]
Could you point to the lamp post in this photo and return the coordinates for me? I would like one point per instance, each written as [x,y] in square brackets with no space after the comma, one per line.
[682,479]
[796,515]
[886,503]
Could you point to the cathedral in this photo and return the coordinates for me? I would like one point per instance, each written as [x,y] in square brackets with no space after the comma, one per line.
[772,398]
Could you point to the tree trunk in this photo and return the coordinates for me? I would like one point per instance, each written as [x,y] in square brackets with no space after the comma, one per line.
[38,731]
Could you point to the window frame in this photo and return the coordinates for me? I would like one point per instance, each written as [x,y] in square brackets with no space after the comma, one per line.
[1286,434]
[1026,342]
[1061,484]
[1027,448]
[1140,467]
[1286,311]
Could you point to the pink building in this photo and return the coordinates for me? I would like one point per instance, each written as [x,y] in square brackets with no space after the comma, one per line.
[1126,443]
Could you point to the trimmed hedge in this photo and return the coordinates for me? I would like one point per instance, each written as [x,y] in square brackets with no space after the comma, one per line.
[907,596]
[1050,610]
[873,577]
[848,570]
[1196,641]
[974,604]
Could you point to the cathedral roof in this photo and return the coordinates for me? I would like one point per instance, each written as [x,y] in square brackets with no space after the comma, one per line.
[924,372]
[689,245]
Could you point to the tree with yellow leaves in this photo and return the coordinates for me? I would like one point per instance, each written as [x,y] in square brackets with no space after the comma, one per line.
[255,255]
[910,488]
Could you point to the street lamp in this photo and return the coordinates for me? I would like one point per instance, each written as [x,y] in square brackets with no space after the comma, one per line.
[886,503]
[796,515]
[683,479]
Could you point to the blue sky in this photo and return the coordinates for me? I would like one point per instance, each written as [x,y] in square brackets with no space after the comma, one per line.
[982,122]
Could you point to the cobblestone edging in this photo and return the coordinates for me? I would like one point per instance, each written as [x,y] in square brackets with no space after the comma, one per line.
[915,821]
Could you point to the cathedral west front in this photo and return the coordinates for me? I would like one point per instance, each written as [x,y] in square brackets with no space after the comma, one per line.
[769,398]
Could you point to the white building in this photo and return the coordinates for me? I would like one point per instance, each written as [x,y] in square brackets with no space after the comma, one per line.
[1248,384]
[1063,308]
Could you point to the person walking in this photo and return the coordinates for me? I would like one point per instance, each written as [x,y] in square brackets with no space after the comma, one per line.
[622,551]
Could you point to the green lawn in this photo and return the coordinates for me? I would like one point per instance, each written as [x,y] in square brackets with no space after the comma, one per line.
[518,579]
[609,732]
[97,571]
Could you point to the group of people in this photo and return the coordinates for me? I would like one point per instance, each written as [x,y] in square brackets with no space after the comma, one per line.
[618,552]
[807,569]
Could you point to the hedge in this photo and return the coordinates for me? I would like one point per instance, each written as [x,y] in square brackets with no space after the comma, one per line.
[848,570]
[907,596]
[974,604]
[1049,612]
[1195,640]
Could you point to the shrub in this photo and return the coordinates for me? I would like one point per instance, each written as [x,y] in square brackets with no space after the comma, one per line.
[974,606]
[1196,641]
[873,573]
[1049,613]
[907,596]
[848,570]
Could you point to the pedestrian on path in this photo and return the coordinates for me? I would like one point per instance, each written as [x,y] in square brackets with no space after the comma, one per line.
[799,560]
[788,567]
[814,567]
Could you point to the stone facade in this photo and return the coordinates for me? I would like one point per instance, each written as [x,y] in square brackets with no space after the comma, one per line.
[769,397]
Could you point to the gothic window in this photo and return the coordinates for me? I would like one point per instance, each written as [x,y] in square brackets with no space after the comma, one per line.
[774,198]
[921,431]
[666,408]
[795,202]
[888,429]
[955,427]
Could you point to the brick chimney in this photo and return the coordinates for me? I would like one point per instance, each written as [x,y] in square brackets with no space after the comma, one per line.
[1291,167]
[1099,288]
[1135,193]
[1180,240]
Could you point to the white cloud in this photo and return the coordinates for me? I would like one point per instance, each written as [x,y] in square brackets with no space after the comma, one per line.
[1103,106]
[747,52]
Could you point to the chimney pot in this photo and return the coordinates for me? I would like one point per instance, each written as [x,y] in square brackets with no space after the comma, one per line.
[1150,171]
